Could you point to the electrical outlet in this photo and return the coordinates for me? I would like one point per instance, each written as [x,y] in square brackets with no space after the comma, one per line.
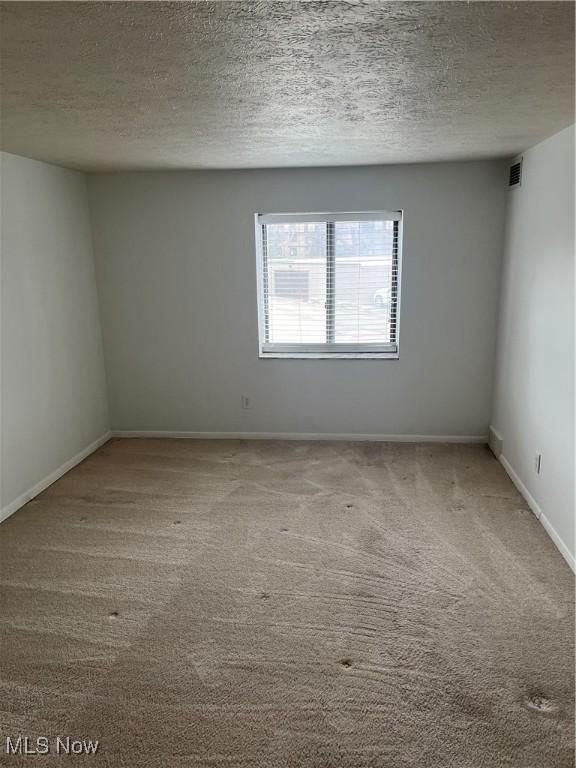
[538,463]
[246,403]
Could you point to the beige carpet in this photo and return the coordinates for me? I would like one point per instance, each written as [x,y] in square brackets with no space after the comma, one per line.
[279,604]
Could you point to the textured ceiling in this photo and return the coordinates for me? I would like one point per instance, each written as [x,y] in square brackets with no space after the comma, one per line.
[121,85]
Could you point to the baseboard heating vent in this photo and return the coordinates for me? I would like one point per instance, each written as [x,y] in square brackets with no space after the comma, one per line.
[515,174]
[495,442]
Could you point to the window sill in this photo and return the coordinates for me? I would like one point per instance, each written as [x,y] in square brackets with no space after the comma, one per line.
[329,356]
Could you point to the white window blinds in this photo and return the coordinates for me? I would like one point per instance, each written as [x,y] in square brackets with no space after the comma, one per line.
[329,284]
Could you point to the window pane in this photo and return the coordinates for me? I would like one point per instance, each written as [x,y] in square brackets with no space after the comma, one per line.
[364,290]
[295,282]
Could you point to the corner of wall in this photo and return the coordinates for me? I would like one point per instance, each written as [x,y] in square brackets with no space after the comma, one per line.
[89,205]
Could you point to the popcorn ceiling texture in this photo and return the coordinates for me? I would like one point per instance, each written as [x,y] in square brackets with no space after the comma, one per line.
[101,86]
[250,604]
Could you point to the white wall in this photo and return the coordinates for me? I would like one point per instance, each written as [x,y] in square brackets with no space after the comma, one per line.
[534,392]
[54,401]
[176,268]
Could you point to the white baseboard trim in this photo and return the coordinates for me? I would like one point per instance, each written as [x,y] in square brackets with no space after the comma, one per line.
[534,506]
[25,497]
[513,475]
[352,437]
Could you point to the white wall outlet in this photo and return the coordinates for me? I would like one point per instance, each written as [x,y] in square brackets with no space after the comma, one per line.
[538,463]
[246,403]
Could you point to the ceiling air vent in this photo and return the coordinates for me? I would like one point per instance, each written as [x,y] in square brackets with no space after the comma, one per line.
[515,176]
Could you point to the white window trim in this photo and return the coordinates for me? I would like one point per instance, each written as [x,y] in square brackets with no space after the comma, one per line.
[334,351]
[285,218]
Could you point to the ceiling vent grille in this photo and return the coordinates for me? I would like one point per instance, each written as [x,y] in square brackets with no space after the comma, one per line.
[515,174]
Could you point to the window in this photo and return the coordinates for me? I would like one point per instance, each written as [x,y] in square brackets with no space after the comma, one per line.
[329,284]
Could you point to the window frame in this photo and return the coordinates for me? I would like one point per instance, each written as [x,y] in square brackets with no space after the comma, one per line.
[332,350]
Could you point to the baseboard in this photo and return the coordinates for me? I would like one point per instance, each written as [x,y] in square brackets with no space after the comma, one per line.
[535,507]
[563,549]
[344,436]
[513,475]
[25,497]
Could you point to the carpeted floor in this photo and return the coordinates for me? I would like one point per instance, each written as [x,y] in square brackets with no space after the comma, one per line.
[275,604]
